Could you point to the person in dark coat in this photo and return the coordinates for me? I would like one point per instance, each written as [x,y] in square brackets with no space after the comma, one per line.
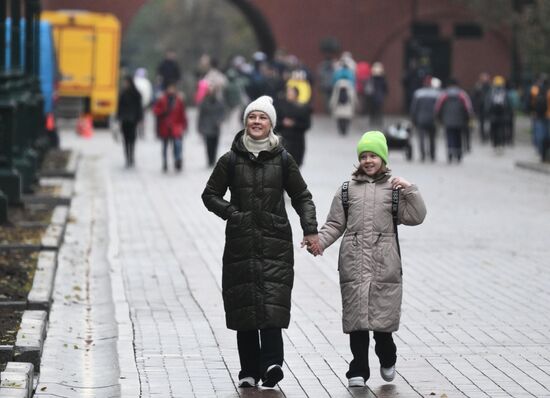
[258,259]
[498,110]
[168,71]
[479,101]
[211,114]
[454,109]
[293,120]
[423,115]
[129,114]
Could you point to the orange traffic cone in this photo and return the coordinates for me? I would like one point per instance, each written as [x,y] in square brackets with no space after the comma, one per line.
[85,126]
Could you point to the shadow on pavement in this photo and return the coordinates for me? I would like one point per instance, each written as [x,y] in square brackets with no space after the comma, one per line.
[259,392]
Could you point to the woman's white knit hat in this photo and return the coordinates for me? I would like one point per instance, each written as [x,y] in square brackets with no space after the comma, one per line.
[263,104]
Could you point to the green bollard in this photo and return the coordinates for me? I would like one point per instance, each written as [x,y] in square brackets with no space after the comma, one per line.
[3,208]
[10,179]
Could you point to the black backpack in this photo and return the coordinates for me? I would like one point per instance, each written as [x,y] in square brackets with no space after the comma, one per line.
[498,101]
[343,97]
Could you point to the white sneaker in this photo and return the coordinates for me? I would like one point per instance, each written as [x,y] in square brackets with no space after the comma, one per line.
[356,382]
[388,374]
[273,375]
[247,382]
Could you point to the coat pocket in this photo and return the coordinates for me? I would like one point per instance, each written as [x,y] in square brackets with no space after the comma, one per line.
[238,224]
[349,257]
[386,257]
[385,306]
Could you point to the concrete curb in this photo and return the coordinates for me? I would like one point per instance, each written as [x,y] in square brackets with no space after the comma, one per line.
[17,380]
[534,166]
[70,168]
[66,192]
[40,296]
[30,338]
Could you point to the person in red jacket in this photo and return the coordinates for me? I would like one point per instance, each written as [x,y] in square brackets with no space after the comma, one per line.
[171,124]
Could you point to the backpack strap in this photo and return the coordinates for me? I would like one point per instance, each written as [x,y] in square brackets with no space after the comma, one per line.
[231,167]
[394,211]
[344,195]
[284,161]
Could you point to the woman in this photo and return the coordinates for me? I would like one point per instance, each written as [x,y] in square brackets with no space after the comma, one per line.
[258,259]
[129,115]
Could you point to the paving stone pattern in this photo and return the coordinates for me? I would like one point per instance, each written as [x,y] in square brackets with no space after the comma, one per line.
[476,278]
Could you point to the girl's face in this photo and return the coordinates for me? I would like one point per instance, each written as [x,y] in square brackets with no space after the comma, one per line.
[258,125]
[371,163]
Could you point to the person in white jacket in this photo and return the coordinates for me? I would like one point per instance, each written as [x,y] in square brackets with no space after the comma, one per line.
[145,88]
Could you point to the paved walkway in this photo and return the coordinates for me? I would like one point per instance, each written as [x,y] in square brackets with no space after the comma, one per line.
[476,282]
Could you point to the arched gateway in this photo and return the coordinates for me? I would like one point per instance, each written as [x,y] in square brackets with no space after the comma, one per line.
[387,31]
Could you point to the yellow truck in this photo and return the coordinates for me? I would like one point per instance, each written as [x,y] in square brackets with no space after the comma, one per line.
[88,51]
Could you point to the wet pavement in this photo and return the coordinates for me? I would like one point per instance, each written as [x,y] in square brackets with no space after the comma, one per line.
[138,308]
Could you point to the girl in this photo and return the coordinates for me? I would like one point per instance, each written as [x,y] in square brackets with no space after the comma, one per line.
[369,262]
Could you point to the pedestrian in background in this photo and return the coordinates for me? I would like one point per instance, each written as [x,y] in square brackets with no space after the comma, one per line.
[423,115]
[257,275]
[539,107]
[343,102]
[454,109]
[370,260]
[168,71]
[498,109]
[376,90]
[129,114]
[171,124]
[211,115]
[479,101]
[145,88]
[293,120]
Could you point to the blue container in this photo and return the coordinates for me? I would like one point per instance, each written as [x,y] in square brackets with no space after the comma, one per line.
[48,72]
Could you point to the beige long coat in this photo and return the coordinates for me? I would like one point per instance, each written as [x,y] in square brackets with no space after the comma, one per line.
[369,263]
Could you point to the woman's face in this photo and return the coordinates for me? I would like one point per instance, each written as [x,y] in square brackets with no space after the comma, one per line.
[258,125]
[371,163]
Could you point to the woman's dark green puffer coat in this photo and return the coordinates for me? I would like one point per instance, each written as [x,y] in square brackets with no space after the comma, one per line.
[258,258]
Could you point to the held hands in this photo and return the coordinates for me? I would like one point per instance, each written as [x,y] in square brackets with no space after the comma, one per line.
[398,182]
[313,245]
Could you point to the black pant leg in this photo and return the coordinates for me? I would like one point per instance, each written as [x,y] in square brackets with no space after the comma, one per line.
[385,349]
[359,365]
[129,134]
[272,351]
[300,148]
[248,344]
[211,149]
[422,132]
[431,137]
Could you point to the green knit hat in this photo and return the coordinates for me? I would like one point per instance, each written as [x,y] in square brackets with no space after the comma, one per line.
[375,142]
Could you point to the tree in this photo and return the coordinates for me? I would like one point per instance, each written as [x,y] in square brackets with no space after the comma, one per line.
[190,28]
[529,21]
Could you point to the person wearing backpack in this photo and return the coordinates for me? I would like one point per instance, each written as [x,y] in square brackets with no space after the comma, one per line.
[342,103]
[454,109]
[498,109]
[258,260]
[366,211]
[538,107]
[423,115]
